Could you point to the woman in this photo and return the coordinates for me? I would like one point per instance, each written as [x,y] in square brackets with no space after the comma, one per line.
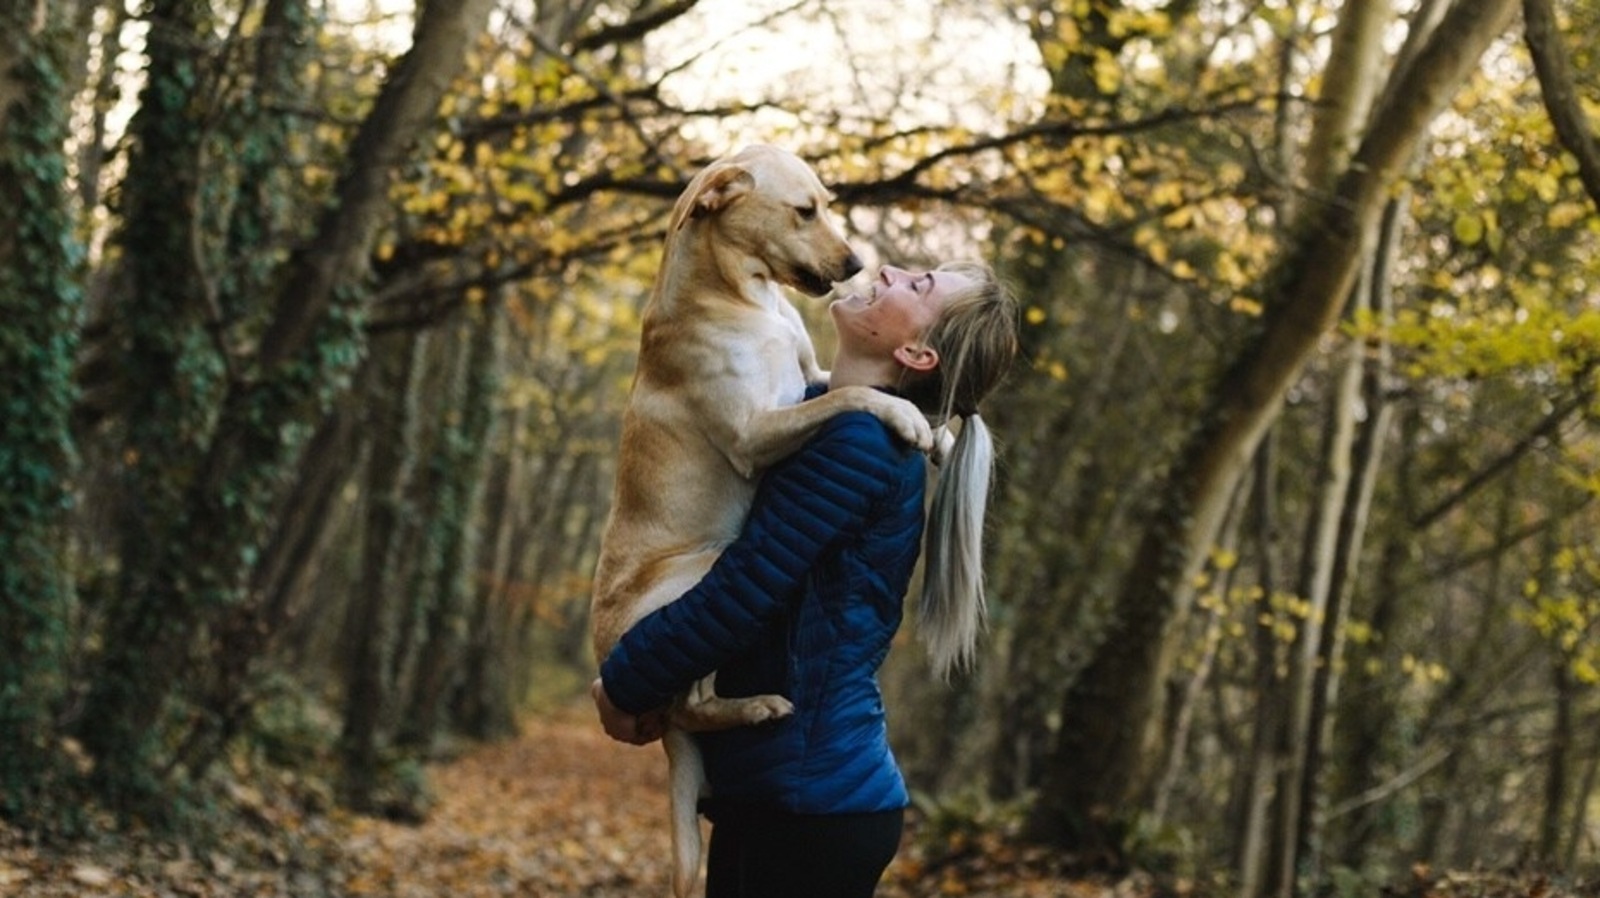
[806,601]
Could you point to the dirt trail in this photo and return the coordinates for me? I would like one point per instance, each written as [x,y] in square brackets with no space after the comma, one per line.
[560,812]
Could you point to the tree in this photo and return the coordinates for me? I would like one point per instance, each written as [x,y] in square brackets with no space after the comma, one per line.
[39,304]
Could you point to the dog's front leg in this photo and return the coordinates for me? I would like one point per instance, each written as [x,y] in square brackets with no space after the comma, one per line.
[772,434]
[701,710]
[805,352]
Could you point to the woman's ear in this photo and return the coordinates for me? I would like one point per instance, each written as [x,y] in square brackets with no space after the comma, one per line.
[917,357]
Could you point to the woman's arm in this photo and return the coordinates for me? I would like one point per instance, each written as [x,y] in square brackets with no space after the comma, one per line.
[805,503]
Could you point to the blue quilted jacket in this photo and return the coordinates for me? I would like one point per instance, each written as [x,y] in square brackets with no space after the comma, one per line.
[804,604]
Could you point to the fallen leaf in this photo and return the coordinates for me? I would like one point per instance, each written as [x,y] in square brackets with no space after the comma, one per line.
[91,875]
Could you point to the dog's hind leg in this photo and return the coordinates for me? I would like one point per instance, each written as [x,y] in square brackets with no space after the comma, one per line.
[687,781]
[701,710]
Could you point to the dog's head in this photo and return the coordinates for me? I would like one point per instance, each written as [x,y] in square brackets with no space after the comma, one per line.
[767,205]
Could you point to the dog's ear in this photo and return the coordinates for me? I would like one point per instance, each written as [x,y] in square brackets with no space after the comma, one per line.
[718,188]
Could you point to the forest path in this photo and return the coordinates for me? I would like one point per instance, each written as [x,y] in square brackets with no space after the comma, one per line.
[564,812]
[559,811]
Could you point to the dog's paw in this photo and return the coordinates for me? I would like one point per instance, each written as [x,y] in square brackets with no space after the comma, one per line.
[762,708]
[912,426]
[944,443]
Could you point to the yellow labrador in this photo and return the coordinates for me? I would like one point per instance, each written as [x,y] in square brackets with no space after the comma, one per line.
[724,359]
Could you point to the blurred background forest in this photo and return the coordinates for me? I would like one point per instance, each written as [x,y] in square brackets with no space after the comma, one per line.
[316,318]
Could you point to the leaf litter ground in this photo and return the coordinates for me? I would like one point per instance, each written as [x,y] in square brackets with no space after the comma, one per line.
[559,812]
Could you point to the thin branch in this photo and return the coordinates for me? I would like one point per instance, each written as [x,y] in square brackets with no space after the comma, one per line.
[1560,99]
[1051,131]
[1511,456]
[1395,784]
[633,30]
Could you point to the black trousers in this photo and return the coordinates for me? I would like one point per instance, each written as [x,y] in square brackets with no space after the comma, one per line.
[761,853]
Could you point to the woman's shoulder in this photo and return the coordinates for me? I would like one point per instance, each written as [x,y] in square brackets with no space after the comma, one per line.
[859,431]
[858,452]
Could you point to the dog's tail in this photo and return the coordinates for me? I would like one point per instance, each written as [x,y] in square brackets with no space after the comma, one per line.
[688,776]
[953,609]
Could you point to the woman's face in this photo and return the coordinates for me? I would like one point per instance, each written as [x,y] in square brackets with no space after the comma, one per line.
[896,311]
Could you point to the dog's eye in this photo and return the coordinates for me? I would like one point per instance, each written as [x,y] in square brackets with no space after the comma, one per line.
[806,212]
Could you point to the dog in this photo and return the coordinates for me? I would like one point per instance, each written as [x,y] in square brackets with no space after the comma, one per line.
[724,359]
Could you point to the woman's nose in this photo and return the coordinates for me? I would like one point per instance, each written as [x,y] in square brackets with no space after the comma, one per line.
[889,274]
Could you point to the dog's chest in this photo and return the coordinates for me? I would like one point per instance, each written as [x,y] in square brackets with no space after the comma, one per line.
[763,357]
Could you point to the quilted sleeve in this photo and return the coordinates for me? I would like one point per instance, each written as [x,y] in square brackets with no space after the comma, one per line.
[805,503]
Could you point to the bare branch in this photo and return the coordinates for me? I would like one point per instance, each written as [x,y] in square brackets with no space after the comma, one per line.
[633,30]
[1560,98]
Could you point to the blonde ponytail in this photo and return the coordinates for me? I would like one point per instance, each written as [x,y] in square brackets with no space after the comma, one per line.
[976,339]
[953,609]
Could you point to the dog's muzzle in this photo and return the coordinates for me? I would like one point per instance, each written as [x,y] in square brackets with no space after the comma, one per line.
[815,283]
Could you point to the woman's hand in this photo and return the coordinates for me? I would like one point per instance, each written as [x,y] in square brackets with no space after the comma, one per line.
[640,729]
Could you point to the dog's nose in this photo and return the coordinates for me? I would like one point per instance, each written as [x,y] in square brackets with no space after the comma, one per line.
[852,267]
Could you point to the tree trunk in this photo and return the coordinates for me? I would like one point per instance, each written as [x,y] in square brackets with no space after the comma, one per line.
[1558,761]
[1373,362]
[1558,752]
[173,372]
[1253,794]
[1369,745]
[1316,574]
[460,460]
[1349,85]
[1194,689]
[481,707]
[260,134]
[39,304]
[1101,766]
[331,459]
[1328,558]
[1578,827]
[371,618]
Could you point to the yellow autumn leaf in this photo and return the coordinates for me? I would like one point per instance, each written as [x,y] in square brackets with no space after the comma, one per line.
[1468,228]
[1107,74]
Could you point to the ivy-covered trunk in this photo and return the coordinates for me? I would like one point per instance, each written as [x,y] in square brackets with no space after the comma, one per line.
[39,302]
[459,460]
[484,706]
[372,619]
[173,375]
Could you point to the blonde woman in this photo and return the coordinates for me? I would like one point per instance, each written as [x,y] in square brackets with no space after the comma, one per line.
[806,601]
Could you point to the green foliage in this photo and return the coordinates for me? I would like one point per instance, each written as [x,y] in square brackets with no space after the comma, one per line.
[291,726]
[1165,847]
[39,303]
[1563,609]
[953,820]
